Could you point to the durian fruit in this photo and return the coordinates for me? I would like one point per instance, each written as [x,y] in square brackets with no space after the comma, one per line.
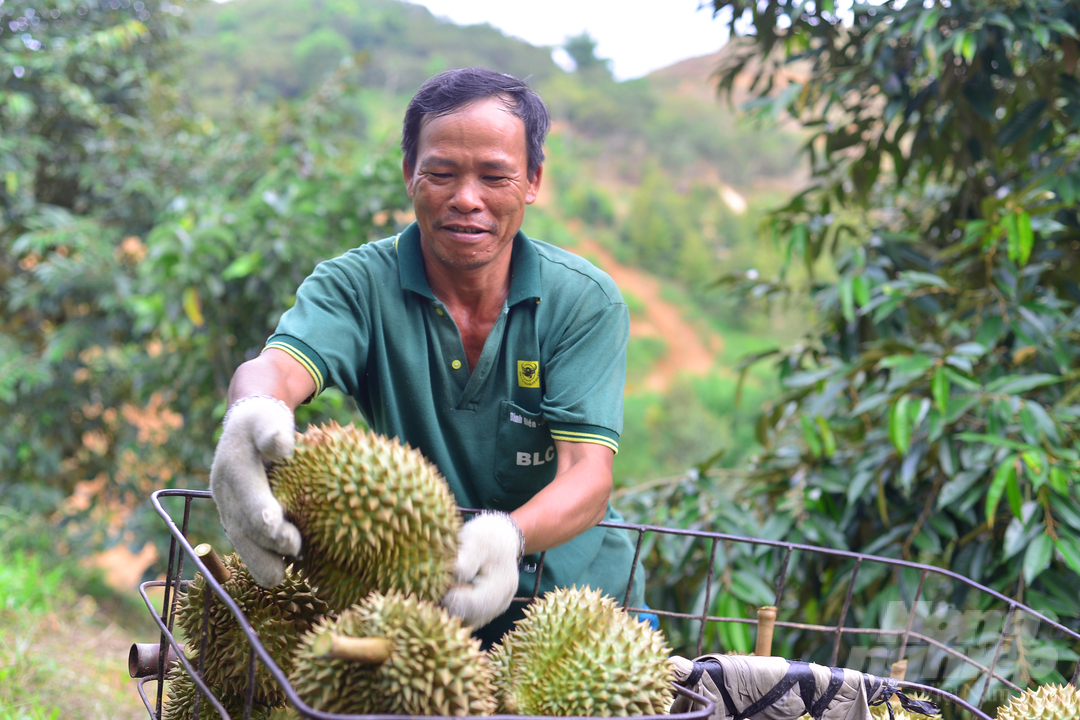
[181,692]
[279,616]
[880,712]
[577,652]
[1048,702]
[373,513]
[434,666]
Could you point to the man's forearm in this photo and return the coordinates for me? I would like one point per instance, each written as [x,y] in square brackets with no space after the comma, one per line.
[572,503]
[273,373]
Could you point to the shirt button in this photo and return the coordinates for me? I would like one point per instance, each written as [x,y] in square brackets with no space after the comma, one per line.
[456,364]
[439,311]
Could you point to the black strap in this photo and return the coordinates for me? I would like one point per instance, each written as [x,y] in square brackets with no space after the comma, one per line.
[696,672]
[836,680]
[798,673]
[923,707]
[716,672]
[872,684]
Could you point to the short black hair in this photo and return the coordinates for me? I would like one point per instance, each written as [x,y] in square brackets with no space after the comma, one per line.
[444,93]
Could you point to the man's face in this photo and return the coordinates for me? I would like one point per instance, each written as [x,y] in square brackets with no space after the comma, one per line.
[470,185]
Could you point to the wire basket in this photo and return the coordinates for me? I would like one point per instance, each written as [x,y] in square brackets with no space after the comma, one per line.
[981,656]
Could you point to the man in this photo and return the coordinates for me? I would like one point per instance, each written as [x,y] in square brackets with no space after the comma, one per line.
[501,358]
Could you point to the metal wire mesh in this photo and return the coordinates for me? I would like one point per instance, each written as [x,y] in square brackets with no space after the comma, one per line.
[983,657]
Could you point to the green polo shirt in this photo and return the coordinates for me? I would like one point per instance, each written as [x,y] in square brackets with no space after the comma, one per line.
[552,368]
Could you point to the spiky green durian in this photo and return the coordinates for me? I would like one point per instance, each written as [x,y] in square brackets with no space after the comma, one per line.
[435,666]
[374,514]
[181,692]
[279,616]
[577,652]
[1048,702]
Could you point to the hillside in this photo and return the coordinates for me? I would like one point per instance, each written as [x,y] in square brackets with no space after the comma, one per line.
[281,48]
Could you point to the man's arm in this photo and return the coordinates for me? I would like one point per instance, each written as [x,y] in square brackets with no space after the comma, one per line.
[258,428]
[273,373]
[574,501]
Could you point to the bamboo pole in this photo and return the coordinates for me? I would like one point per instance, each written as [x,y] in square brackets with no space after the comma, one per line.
[766,620]
[205,552]
[370,651]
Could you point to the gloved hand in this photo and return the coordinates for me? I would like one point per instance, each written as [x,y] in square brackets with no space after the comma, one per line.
[258,428]
[490,547]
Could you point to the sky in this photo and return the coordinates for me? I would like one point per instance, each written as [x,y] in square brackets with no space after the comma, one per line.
[638,36]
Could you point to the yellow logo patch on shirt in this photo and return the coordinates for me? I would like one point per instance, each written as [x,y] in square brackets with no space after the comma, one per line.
[529,373]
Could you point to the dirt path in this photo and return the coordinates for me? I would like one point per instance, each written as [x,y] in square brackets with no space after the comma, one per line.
[686,351]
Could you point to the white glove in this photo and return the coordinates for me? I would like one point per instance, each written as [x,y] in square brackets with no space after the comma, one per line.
[258,428]
[490,547]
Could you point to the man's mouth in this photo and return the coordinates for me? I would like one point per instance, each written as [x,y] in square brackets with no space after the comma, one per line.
[465,229]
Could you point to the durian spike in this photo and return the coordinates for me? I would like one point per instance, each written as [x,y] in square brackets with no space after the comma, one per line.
[369,651]
[766,618]
[213,562]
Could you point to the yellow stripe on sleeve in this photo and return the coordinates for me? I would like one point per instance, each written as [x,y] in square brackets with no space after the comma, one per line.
[298,356]
[580,437]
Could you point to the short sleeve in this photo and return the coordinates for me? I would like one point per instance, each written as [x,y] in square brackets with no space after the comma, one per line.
[328,329]
[586,373]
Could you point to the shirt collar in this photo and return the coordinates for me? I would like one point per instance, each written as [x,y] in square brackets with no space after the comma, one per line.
[524,267]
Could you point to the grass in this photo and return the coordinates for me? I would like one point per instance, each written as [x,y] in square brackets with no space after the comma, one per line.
[62,651]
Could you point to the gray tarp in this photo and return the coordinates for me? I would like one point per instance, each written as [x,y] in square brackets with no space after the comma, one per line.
[772,688]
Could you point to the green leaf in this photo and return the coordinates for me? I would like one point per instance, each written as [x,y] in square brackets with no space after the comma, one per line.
[1012,493]
[861,288]
[968,48]
[1005,471]
[1037,557]
[810,436]
[827,436]
[1059,481]
[1012,235]
[900,425]
[807,378]
[995,440]
[958,487]
[847,299]
[242,266]
[914,364]
[1011,384]
[939,387]
[1069,547]
[962,380]
[871,402]
[923,278]
[1026,238]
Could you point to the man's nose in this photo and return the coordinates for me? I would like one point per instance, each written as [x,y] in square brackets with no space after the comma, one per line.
[467,196]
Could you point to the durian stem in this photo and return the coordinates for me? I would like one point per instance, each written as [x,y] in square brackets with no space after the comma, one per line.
[899,669]
[766,618]
[205,552]
[370,651]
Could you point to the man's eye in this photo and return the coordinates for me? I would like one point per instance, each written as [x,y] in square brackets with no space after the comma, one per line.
[441,176]
[494,178]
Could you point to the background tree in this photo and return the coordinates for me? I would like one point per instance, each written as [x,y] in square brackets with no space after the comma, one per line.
[934,412]
[582,50]
[145,252]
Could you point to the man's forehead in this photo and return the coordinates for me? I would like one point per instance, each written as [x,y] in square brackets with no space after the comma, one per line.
[500,102]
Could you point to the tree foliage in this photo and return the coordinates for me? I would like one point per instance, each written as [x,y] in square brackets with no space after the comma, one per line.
[934,413]
[145,252]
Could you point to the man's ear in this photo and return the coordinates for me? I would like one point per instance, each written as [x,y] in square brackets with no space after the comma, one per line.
[534,186]
[407,173]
